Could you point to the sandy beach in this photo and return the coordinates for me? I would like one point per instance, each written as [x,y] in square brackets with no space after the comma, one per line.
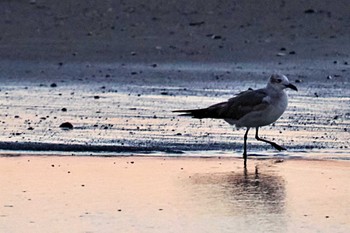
[115,70]
[152,194]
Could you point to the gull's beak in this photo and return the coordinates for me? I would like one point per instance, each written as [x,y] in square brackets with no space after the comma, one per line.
[291,86]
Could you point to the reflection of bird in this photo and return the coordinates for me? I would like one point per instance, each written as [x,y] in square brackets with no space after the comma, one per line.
[246,192]
[251,108]
[263,189]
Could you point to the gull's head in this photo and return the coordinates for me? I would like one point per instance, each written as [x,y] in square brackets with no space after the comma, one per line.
[280,81]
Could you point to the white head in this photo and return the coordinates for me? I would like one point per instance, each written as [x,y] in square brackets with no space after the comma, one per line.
[280,82]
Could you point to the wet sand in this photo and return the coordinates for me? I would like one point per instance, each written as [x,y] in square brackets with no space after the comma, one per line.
[152,194]
[114,110]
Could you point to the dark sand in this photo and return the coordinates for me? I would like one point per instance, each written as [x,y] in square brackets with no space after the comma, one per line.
[224,31]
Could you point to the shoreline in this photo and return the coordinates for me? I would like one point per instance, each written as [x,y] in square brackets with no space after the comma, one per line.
[260,156]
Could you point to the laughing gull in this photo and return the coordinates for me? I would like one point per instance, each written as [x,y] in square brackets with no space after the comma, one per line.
[251,108]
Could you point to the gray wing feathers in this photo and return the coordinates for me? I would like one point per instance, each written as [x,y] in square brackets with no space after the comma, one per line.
[234,108]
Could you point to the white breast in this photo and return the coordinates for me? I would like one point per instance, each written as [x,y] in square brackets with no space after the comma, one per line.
[276,106]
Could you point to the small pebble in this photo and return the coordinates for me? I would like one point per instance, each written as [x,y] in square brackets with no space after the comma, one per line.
[216,37]
[192,24]
[279,161]
[309,11]
[66,125]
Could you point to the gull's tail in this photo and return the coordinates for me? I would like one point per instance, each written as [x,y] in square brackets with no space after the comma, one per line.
[199,113]
[195,113]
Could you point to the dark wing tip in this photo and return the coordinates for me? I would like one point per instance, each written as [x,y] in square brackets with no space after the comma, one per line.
[180,111]
[184,112]
[195,113]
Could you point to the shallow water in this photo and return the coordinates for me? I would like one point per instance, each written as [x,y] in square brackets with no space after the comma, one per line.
[119,109]
[126,194]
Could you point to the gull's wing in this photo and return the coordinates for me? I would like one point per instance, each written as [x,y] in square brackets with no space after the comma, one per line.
[235,108]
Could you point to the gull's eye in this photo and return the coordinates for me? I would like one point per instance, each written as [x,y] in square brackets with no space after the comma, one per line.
[279,80]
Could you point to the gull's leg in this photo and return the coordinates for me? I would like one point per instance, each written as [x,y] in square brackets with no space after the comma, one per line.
[245,147]
[278,147]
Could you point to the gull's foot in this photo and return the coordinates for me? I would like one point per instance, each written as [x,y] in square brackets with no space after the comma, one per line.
[278,147]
